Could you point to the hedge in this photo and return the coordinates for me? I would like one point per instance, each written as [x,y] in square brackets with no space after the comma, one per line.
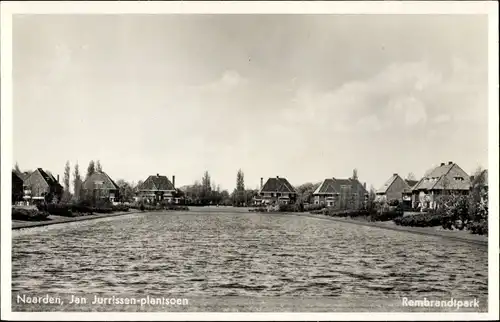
[28,214]
[426,219]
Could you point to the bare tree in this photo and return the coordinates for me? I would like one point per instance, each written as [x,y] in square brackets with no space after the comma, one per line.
[411,176]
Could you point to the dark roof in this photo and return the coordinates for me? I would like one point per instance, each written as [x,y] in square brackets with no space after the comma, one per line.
[435,179]
[107,182]
[277,185]
[333,185]
[157,182]
[49,178]
[411,183]
[16,177]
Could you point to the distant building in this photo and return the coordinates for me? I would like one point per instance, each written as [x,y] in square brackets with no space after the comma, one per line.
[445,179]
[277,190]
[341,193]
[396,188]
[41,185]
[157,188]
[100,186]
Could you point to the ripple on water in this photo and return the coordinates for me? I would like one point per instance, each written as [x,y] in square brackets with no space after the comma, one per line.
[242,254]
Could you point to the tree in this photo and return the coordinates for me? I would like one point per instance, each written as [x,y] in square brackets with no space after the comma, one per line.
[77,182]
[370,203]
[239,192]
[17,169]
[355,174]
[411,176]
[305,192]
[126,191]
[206,188]
[90,168]
[66,181]
[98,166]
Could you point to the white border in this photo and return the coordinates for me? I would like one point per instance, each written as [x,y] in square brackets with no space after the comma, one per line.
[370,7]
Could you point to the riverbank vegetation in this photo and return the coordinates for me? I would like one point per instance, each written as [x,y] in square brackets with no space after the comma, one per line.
[24,214]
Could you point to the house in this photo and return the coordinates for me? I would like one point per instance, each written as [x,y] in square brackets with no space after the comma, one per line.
[100,186]
[157,188]
[276,190]
[41,185]
[341,193]
[17,188]
[396,188]
[445,179]
[407,194]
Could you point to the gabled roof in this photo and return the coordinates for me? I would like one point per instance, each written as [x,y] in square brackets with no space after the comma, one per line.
[333,185]
[277,185]
[411,183]
[106,182]
[49,179]
[440,178]
[157,182]
[389,183]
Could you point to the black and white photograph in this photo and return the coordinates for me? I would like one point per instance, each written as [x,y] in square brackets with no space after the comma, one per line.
[275,161]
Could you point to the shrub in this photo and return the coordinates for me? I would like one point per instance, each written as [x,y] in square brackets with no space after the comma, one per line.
[426,219]
[120,208]
[64,210]
[313,207]
[289,208]
[394,202]
[28,214]
[480,228]
[175,207]
[258,209]
[386,216]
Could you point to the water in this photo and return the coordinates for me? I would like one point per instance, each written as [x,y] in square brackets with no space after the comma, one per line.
[206,256]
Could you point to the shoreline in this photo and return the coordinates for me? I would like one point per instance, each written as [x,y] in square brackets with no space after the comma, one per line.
[429,231]
[62,220]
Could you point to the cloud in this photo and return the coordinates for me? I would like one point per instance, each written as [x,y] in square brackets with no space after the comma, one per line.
[402,94]
[229,80]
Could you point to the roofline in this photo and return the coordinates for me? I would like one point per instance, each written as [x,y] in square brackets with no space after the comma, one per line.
[444,175]
[385,191]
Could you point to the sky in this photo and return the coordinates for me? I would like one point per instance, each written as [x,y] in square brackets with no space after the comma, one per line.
[306,97]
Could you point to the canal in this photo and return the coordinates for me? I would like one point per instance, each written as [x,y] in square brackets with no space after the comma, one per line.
[216,257]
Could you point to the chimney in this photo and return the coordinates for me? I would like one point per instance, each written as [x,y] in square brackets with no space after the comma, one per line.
[450,162]
[261,182]
[395,174]
[173,181]
[364,185]
[57,178]
[157,174]
[442,163]
[277,177]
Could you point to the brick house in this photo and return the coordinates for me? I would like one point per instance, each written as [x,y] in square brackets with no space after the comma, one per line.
[341,193]
[157,188]
[445,179]
[277,190]
[41,185]
[396,188]
[100,186]
[17,188]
